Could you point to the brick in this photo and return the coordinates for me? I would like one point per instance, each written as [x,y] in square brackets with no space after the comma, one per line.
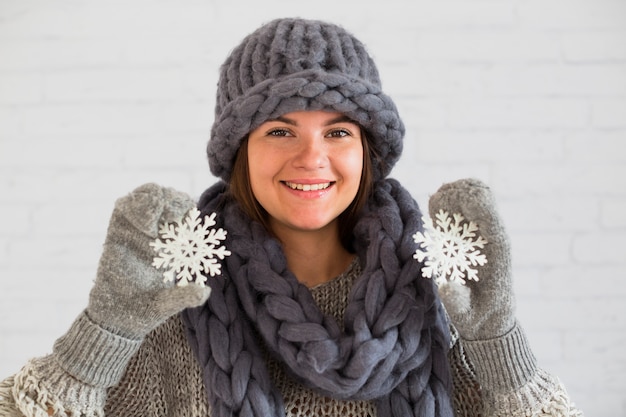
[575,14]
[120,85]
[112,119]
[557,80]
[574,280]
[519,113]
[606,247]
[609,113]
[185,117]
[421,114]
[48,54]
[184,152]
[596,146]
[58,312]
[39,281]
[198,86]
[54,252]
[613,213]
[484,47]
[527,281]
[595,372]
[608,178]
[4,250]
[540,249]
[64,153]
[20,88]
[16,219]
[65,186]
[9,125]
[443,15]
[585,46]
[89,152]
[181,52]
[95,21]
[450,146]
[432,79]
[593,343]
[559,180]
[601,314]
[74,186]
[25,22]
[62,220]
[549,214]
[538,317]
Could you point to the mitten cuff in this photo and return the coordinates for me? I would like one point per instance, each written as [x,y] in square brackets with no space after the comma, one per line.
[94,355]
[503,364]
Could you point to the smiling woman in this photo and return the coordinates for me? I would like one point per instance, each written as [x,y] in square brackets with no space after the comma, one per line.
[319,306]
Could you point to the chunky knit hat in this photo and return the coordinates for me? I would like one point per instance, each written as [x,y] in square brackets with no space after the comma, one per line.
[292,65]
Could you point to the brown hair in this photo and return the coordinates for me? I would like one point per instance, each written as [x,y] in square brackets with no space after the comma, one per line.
[241,191]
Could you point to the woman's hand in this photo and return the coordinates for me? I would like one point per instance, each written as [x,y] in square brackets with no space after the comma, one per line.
[129,297]
[483,309]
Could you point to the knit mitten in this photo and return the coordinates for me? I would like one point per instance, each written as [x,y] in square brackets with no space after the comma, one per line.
[129,297]
[482,309]
[483,312]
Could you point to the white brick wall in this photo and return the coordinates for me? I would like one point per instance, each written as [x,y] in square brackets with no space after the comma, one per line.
[528,95]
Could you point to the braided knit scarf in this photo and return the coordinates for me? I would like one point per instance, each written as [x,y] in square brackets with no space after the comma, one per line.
[392,351]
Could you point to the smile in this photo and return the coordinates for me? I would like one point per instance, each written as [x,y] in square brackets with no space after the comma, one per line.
[307,187]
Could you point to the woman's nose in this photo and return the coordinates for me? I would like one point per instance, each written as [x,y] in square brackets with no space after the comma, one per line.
[312,153]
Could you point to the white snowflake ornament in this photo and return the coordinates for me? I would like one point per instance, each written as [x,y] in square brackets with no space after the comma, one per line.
[451,249]
[190,249]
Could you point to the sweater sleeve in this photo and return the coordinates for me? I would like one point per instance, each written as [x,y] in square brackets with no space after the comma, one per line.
[42,389]
[7,403]
[73,379]
[500,377]
[160,379]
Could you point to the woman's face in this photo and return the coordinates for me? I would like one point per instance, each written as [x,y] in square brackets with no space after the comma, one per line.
[305,168]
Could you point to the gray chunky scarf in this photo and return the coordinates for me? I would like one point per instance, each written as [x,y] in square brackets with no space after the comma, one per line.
[394,346]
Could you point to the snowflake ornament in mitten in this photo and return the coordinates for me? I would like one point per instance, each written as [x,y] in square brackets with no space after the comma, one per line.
[481,306]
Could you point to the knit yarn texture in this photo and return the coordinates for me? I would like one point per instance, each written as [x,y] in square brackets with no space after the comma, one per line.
[391,347]
[292,65]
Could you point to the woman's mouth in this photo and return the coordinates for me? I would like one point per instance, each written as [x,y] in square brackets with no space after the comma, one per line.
[307,187]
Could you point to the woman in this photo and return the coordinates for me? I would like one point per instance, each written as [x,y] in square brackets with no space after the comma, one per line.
[316,304]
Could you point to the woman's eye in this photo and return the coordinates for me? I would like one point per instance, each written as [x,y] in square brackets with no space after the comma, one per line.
[339,133]
[278,132]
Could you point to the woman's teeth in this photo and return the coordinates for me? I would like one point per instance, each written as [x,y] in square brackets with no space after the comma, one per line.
[307,187]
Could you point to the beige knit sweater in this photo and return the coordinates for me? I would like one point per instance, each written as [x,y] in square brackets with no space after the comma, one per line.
[164,379]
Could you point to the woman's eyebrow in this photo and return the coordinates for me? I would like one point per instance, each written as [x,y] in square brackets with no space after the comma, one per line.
[339,119]
[284,120]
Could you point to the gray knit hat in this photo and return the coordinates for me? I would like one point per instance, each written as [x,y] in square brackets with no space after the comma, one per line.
[292,65]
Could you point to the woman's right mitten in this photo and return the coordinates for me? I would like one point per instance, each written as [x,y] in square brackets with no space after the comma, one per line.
[129,297]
